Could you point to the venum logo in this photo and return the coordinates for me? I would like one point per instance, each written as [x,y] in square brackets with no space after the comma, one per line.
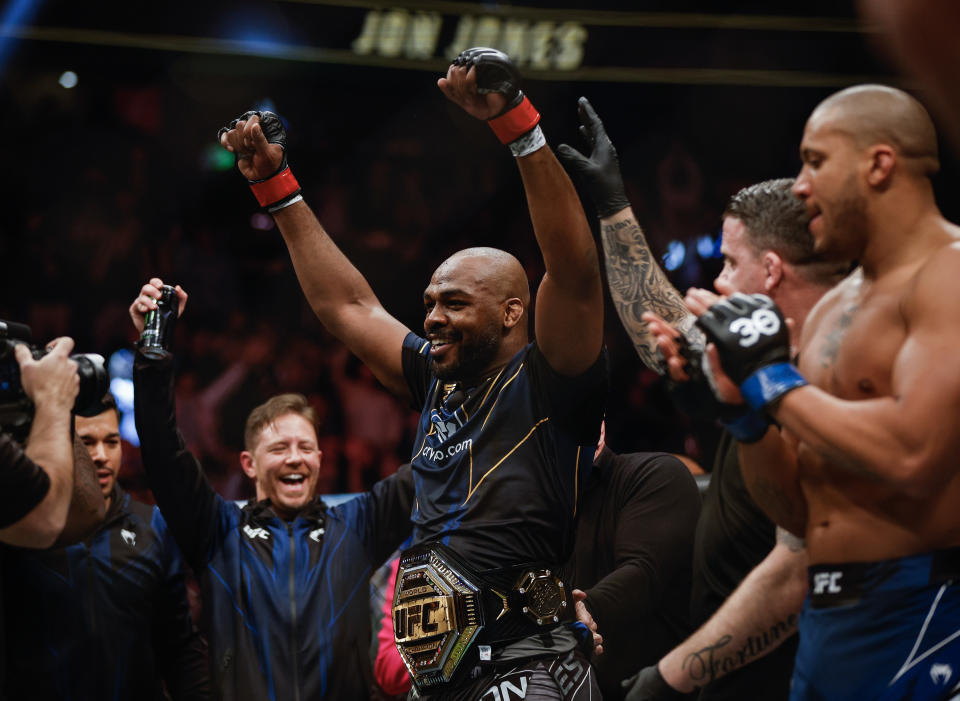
[941,673]
[315,535]
[253,533]
[129,537]
[827,582]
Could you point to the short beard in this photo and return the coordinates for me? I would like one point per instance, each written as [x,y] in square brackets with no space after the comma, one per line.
[846,237]
[475,357]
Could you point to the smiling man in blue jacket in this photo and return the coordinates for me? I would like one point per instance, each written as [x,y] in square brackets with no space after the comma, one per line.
[285,579]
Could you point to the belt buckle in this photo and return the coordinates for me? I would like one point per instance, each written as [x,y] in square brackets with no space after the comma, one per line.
[544,597]
[437,615]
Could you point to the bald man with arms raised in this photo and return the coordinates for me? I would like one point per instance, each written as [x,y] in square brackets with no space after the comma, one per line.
[508,426]
[866,461]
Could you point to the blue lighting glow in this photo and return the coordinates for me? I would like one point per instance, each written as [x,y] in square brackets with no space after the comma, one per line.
[675,255]
[16,14]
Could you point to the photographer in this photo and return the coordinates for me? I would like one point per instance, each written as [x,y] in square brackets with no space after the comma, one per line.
[36,484]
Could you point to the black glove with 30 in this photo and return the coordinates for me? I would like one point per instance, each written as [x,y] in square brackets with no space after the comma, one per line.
[753,342]
[601,171]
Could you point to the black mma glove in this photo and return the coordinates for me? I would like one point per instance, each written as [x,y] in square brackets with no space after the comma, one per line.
[753,341]
[649,685]
[696,397]
[517,125]
[600,172]
[280,189]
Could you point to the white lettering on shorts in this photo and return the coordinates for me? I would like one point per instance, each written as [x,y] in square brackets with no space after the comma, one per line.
[506,690]
[826,582]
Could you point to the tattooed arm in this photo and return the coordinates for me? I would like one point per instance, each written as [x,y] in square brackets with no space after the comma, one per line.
[759,616]
[638,284]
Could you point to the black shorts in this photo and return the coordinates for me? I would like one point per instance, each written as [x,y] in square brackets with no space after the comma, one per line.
[568,677]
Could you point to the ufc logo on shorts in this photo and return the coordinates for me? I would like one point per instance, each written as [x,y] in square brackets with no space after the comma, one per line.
[826,582]
[762,321]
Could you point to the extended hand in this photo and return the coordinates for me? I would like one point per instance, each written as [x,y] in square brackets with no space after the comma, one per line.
[460,87]
[601,171]
[52,380]
[147,300]
[585,617]
[649,685]
[259,155]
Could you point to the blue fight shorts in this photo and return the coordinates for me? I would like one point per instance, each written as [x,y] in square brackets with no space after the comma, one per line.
[881,630]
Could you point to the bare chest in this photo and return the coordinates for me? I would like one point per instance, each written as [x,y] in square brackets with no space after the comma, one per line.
[851,351]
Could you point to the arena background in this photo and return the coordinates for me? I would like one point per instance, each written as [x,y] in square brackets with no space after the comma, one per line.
[111,174]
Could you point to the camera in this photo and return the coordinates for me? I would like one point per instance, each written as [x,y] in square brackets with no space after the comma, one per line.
[16,409]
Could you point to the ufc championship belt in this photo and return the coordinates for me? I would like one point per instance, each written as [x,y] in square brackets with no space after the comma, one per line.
[445,614]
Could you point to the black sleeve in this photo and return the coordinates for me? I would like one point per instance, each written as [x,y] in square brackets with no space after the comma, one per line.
[382,516]
[576,403]
[657,505]
[186,499]
[416,368]
[23,483]
[181,651]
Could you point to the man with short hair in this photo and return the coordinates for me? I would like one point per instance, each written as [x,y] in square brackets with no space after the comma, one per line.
[285,577]
[114,622]
[766,248]
[864,464]
[507,427]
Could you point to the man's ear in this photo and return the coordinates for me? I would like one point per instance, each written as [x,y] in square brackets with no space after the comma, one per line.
[246,462]
[513,312]
[772,271]
[882,161]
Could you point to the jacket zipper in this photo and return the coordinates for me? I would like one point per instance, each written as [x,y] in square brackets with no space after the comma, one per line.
[293,614]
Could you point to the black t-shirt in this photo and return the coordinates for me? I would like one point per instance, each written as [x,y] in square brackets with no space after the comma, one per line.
[632,557]
[23,483]
[734,536]
[498,477]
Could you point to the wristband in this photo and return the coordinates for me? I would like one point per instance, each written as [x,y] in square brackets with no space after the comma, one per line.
[279,188]
[515,122]
[748,425]
[769,383]
[528,143]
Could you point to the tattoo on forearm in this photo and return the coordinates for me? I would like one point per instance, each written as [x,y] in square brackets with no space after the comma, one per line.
[637,284]
[716,660]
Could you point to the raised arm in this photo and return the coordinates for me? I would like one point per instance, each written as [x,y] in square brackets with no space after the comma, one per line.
[339,295]
[637,283]
[569,313]
[185,498]
[754,620]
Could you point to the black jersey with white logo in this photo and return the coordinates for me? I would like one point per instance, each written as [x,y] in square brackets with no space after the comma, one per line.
[499,470]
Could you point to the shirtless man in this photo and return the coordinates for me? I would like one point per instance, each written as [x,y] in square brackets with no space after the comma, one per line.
[866,457]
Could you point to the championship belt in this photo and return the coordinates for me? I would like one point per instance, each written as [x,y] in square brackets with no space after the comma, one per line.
[445,613]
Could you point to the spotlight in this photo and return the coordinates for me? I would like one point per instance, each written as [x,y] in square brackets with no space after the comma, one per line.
[68,79]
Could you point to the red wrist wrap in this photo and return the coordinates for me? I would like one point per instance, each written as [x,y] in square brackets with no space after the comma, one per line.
[275,188]
[511,125]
